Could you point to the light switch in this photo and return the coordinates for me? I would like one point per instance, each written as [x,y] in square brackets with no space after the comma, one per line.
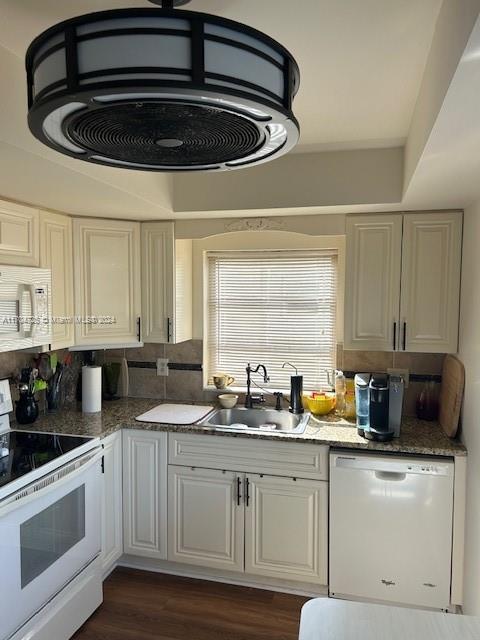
[162,366]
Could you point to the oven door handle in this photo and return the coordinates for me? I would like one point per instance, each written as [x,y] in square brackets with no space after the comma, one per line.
[51,482]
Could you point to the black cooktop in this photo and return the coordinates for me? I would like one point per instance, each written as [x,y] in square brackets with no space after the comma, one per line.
[23,451]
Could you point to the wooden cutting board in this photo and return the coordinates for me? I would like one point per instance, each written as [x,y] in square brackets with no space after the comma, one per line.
[451,394]
[175,414]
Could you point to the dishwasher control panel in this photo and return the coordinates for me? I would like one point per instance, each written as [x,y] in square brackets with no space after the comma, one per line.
[428,469]
[414,466]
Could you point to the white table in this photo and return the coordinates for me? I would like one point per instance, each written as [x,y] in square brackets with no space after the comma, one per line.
[328,619]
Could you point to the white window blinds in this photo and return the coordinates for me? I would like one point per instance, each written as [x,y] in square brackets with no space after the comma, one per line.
[272,307]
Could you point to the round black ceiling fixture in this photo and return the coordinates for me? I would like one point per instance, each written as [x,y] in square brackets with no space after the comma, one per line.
[162,89]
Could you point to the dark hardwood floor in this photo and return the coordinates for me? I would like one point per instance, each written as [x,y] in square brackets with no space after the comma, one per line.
[139,605]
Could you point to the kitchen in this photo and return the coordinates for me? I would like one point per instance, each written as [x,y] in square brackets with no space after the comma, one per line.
[238,345]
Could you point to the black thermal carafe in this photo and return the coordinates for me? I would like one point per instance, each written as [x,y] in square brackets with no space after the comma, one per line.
[296,391]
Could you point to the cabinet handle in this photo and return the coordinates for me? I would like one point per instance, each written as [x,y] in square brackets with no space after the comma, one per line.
[139,329]
[168,329]
[247,491]
[388,583]
[239,491]
[404,336]
[394,336]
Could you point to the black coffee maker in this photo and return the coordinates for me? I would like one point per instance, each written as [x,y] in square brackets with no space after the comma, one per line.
[379,409]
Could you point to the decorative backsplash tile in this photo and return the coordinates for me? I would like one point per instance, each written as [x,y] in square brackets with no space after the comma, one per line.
[185,379]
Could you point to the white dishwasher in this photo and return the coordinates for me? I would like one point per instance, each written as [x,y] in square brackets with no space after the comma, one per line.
[391,528]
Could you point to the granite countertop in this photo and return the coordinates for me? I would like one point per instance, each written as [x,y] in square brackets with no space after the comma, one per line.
[417,436]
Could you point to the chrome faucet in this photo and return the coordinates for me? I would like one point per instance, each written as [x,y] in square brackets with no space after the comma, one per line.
[250,399]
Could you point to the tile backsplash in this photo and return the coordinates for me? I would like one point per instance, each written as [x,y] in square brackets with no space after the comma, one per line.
[12,362]
[184,382]
[185,379]
[418,364]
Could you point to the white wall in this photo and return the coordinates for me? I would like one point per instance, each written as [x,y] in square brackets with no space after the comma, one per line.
[454,25]
[333,178]
[470,355]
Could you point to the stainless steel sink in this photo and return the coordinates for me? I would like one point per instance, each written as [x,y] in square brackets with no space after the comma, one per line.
[255,420]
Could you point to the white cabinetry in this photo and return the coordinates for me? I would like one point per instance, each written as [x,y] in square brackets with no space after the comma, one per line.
[112,518]
[19,238]
[403,282]
[372,286]
[205,518]
[145,493]
[286,529]
[242,520]
[56,253]
[431,262]
[166,284]
[107,281]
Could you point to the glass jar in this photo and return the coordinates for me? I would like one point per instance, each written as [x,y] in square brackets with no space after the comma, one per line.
[427,402]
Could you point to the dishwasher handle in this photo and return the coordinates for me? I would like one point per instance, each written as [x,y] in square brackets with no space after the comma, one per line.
[390,476]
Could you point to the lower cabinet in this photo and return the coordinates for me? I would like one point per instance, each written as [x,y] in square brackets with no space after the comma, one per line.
[234,520]
[286,528]
[205,518]
[265,525]
[145,493]
[112,519]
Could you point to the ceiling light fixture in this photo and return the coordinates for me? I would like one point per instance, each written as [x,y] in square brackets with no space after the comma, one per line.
[163,90]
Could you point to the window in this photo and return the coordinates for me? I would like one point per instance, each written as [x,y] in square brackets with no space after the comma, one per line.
[270,307]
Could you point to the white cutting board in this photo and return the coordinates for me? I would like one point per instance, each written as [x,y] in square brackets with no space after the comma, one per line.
[174,414]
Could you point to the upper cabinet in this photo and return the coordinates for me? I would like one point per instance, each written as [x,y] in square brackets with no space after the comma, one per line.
[166,284]
[372,284]
[107,282]
[19,238]
[56,253]
[430,300]
[403,282]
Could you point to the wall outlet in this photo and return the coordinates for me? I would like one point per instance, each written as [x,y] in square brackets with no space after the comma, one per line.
[162,366]
[405,373]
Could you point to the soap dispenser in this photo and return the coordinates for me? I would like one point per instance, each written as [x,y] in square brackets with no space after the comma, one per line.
[296,390]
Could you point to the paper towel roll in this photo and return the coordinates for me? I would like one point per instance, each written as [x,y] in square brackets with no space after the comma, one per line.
[91,389]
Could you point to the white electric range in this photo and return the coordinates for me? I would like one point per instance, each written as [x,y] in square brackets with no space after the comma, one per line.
[50,530]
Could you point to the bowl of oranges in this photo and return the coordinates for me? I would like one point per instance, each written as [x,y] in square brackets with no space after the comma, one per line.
[320,402]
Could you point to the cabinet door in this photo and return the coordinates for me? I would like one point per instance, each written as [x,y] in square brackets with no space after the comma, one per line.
[166,284]
[183,321]
[145,493]
[431,262]
[372,285]
[112,517]
[19,238]
[158,255]
[107,281]
[286,528]
[56,253]
[205,518]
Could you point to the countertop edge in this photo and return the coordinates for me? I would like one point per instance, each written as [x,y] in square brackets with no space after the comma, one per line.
[368,446]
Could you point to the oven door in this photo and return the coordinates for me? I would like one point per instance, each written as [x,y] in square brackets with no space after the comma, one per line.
[49,532]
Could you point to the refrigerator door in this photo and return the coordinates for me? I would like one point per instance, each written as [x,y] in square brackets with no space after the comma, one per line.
[391,528]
